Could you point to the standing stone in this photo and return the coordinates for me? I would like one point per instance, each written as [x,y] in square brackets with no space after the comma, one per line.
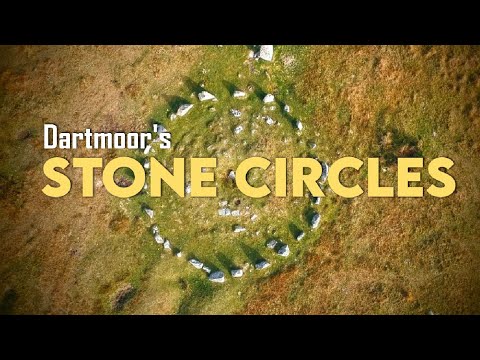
[147,149]
[325,170]
[188,188]
[272,243]
[217,276]
[206,269]
[167,245]
[286,108]
[300,236]
[269,98]
[263,264]
[299,125]
[239,94]
[238,228]
[205,96]
[269,120]
[178,254]
[146,164]
[238,129]
[158,239]
[231,175]
[236,273]
[196,264]
[284,251]
[149,212]
[266,52]
[155,229]
[315,220]
[184,109]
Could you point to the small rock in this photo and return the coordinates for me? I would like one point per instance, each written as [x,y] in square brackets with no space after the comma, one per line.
[272,243]
[167,245]
[239,94]
[184,109]
[206,269]
[145,187]
[158,239]
[286,108]
[224,212]
[316,200]
[231,175]
[299,125]
[253,217]
[235,113]
[315,220]
[284,251]
[178,254]
[263,264]
[269,98]
[205,96]
[236,273]
[269,120]
[238,129]
[188,188]
[147,149]
[238,228]
[300,236]
[266,52]
[217,277]
[236,213]
[149,212]
[196,264]
[146,164]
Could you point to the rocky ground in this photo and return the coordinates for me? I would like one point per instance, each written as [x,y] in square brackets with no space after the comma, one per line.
[99,255]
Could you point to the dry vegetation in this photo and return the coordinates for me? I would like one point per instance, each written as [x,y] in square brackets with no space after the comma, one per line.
[75,255]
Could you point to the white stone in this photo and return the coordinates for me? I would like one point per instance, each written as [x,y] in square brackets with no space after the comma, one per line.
[155,229]
[158,128]
[239,94]
[236,213]
[205,96]
[316,200]
[158,239]
[184,109]
[251,54]
[299,125]
[269,98]
[206,269]
[236,273]
[238,129]
[146,164]
[188,188]
[284,251]
[178,254]
[286,108]
[145,187]
[269,120]
[300,236]
[173,116]
[262,265]
[235,113]
[217,277]
[149,212]
[167,245]
[266,52]
[231,175]
[325,170]
[238,228]
[224,212]
[315,220]
[147,149]
[253,217]
[272,243]
[223,203]
[196,264]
